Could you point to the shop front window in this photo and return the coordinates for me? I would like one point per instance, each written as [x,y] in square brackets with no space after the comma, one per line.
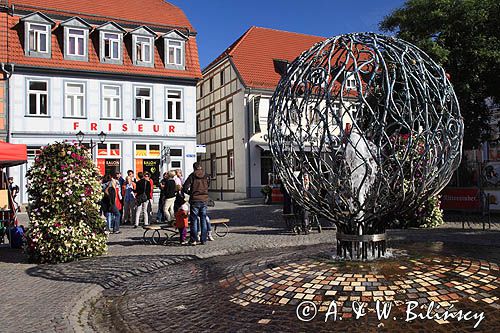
[109,158]
[147,159]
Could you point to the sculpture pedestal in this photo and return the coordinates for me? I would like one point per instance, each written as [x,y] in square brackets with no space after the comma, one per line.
[362,247]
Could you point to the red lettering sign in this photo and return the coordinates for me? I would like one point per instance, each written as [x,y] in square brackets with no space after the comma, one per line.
[76,124]
[124,127]
[460,198]
[140,128]
[156,128]
[93,126]
[171,129]
[109,127]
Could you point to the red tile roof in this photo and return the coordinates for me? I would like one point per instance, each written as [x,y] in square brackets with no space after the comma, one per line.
[145,12]
[16,55]
[15,52]
[254,51]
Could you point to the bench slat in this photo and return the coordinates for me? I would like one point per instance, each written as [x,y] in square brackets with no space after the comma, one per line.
[220,220]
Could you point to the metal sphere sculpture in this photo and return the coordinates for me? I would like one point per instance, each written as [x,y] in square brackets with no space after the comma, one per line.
[374,123]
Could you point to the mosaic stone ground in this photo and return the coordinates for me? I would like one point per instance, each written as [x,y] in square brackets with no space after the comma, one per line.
[261,292]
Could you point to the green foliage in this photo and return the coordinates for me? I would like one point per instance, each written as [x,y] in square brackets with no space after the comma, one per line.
[266,190]
[65,192]
[428,215]
[464,37]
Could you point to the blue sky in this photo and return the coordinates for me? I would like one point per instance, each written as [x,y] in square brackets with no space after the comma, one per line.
[220,22]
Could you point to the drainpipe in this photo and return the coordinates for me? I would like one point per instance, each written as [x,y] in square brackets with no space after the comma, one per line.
[5,77]
[247,139]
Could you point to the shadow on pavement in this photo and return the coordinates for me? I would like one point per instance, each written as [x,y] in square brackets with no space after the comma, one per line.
[105,271]
[12,256]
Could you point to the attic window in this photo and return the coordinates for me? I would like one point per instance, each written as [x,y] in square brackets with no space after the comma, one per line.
[143,49]
[350,81]
[111,46]
[175,52]
[76,42]
[38,38]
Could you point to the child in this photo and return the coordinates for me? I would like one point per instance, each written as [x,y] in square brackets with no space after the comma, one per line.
[181,218]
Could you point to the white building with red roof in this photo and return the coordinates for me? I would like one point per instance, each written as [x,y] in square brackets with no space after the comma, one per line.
[125,68]
[232,107]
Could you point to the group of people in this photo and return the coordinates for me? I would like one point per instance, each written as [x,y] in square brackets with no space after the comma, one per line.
[182,203]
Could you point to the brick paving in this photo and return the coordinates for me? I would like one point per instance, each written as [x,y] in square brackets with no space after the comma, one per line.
[56,297]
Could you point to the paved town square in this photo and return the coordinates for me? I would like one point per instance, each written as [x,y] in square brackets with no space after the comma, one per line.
[262,166]
[246,280]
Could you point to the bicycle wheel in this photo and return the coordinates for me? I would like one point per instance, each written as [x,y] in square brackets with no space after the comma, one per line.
[221,230]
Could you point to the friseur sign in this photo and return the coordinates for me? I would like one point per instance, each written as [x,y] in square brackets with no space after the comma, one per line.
[123,127]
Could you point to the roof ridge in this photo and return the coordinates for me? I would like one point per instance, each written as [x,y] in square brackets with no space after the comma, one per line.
[238,42]
[288,32]
[229,50]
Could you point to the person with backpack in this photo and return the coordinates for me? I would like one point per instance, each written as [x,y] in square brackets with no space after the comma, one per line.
[112,206]
[169,196]
[143,195]
[196,186]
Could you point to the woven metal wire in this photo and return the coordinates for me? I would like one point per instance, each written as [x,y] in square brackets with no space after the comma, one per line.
[373,122]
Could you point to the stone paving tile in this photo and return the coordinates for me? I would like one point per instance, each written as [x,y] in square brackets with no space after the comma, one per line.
[222,295]
[50,293]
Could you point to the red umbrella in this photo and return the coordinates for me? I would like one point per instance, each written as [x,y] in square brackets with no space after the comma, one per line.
[12,154]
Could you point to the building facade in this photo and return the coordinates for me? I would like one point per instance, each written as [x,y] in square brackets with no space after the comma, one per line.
[123,69]
[232,106]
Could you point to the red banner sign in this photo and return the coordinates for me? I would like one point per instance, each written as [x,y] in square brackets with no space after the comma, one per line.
[460,198]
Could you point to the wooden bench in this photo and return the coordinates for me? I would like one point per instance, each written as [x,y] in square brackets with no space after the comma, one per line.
[152,234]
[220,227]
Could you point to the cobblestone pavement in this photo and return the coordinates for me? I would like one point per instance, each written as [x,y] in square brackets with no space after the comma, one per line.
[57,297]
[260,292]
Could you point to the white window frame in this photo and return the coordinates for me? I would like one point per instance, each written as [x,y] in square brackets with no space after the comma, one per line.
[38,93]
[36,35]
[112,98]
[83,37]
[213,165]
[230,160]
[112,41]
[74,98]
[143,103]
[143,44]
[350,82]
[174,104]
[148,150]
[180,47]
[177,158]
[108,150]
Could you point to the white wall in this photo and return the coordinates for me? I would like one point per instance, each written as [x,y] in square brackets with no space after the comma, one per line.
[39,131]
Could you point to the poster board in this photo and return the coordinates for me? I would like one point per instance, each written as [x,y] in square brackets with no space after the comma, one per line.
[4,199]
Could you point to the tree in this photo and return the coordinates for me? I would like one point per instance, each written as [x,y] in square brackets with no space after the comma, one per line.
[64,192]
[464,37]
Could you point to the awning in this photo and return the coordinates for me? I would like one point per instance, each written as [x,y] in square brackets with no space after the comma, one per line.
[263,147]
[12,154]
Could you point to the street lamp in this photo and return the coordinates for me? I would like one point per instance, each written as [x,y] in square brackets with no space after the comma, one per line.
[102,137]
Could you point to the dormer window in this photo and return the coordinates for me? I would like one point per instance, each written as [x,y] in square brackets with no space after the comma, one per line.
[38,36]
[175,46]
[76,42]
[143,46]
[37,40]
[175,52]
[110,43]
[76,36]
[350,81]
[111,46]
[143,49]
